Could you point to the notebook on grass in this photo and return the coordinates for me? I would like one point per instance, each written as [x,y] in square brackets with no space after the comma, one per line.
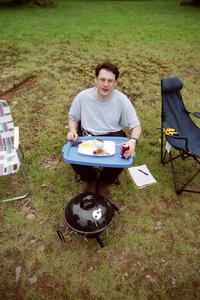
[141,176]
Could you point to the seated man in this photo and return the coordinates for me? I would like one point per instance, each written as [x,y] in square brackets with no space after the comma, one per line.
[102,111]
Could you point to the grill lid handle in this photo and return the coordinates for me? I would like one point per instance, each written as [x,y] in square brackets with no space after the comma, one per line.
[88,202]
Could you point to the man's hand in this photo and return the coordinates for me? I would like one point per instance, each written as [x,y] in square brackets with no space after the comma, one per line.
[131,150]
[72,136]
[135,135]
[73,127]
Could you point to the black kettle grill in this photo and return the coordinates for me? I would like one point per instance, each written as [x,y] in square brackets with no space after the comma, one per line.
[89,214]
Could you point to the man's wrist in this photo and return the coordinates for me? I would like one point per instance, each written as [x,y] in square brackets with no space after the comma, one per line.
[135,140]
[73,131]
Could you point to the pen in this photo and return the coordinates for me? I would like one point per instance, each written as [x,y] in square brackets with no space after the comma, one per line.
[143,172]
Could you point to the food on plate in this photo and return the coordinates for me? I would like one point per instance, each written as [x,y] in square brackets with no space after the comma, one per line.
[97,147]
[100,152]
[98,143]
[86,144]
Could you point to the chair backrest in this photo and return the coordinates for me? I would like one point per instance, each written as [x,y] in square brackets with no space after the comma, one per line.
[9,160]
[6,127]
[175,115]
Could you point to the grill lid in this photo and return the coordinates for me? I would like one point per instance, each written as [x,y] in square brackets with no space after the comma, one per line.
[89,213]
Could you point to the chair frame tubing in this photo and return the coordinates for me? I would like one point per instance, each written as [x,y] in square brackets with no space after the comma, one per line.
[183,155]
[25,179]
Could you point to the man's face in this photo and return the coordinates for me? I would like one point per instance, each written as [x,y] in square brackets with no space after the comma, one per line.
[105,83]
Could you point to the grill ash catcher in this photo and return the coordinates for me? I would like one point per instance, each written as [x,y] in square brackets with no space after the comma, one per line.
[89,214]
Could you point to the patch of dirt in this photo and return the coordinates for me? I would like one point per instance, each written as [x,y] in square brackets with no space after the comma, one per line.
[86,294]
[2,216]
[46,285]
[14,292]
[129,261]
[27,83]
[9,289]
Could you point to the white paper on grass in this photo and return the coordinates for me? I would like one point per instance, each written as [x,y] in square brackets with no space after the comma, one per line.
[141,179]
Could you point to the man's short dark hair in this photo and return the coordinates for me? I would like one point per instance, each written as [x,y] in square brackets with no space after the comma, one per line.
[108,66]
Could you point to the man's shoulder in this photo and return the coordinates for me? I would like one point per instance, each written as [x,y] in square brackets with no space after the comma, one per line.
[86,92]
[120,95]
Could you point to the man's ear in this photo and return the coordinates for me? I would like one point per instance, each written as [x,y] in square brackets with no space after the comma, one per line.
[116,82]
[95,79]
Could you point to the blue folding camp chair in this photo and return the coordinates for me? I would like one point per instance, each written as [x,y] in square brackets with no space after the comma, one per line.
[181,133]
[11,154]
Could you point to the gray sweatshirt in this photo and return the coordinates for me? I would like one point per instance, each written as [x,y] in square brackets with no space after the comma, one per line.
[103,116]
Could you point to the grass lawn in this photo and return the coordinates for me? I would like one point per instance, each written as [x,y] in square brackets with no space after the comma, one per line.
[46,57]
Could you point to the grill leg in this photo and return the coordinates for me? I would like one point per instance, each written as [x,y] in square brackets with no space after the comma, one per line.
[60,235]
[99,240]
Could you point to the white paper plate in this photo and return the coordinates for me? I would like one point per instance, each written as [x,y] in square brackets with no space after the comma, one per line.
[87,148]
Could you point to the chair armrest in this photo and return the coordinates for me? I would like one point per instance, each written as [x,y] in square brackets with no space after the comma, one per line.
[16,138]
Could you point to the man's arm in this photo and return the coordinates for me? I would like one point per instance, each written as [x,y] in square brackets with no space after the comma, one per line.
[135,135]
[136,132]
[73,128]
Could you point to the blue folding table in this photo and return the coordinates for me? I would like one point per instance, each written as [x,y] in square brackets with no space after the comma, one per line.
[72,156]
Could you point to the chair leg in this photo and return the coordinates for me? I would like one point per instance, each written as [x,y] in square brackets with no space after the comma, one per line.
[16,198]
[182,189]
[163,156]
[173,172]
[27,189]
[190,180]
